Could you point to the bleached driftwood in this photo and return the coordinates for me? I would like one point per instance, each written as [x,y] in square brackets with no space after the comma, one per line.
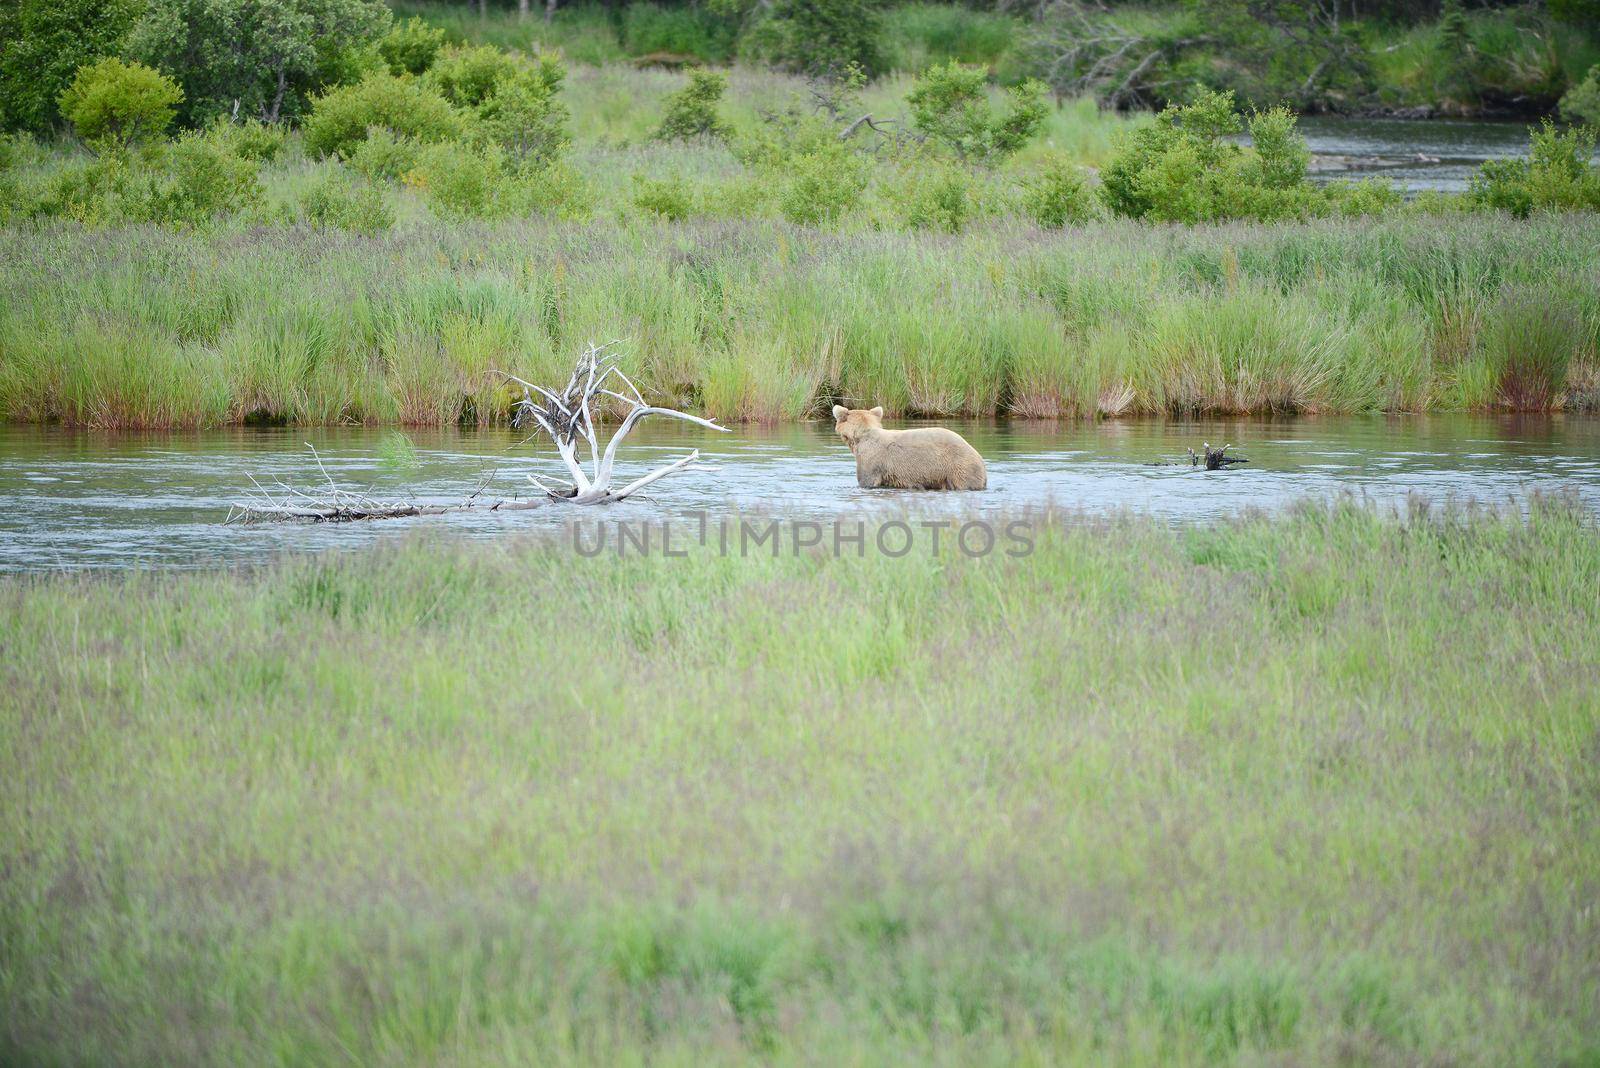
[568,418]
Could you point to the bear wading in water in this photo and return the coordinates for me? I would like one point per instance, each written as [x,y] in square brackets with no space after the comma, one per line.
[931,458]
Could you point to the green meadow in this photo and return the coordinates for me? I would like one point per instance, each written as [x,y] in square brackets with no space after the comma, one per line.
[1236,794]
[762,321]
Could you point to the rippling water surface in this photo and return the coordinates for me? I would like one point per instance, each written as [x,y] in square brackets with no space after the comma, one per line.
[79,499]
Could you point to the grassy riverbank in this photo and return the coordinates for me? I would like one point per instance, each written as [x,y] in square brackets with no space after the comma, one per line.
[1144,796]
[143,327]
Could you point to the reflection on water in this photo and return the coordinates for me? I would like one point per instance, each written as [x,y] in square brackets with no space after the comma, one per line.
[72,499]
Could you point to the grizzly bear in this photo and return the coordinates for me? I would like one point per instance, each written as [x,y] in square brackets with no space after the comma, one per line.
[925,458]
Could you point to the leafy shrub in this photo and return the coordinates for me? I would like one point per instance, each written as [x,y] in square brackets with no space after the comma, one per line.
[665,198]
[940,199]
[461,182]
[257,57]
[1582,101]
[1370,196]
[342,118]
[1184,168]
[43,43]
[1058,195]
[820,37]
[468,75]
[410,47]
[950,104]
[119,103]
[692,110]
[383,156]
[191,182]
[335,202]
[822,184]
[525,115]
[1558,175]
[252,139]
[199,182]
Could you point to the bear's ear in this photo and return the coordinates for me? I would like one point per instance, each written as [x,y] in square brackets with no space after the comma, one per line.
[839,412]
[878,411]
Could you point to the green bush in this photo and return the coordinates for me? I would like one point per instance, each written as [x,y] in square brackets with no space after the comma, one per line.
[251,139]
[191,182]
[477,182]
[468,75]
[1582,102]
[1058,195]
[938,198]
[950,104]
[43,43]
[1558,175]
[525,115]
[117,103]
[203,182]
[1184,167]
[823,184]
[462,182]
[692,110]
[515,101]
[341,118]
[335,202]
[1370,196]
[668,199]
[383,156]
[410,47]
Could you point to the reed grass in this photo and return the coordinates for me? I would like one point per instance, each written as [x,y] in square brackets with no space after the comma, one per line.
[1145,796]
[762,321]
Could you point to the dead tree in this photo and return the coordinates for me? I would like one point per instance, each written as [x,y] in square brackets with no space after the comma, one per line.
[568,417]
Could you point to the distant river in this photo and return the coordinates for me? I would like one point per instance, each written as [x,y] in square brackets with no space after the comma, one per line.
[74,499]
[1451,150]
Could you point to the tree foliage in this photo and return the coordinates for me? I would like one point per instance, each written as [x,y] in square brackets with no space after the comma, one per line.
[258,57]
[42,45]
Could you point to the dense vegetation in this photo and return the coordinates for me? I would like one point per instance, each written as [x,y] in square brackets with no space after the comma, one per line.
[347,276]
[753,320]
[1142,797]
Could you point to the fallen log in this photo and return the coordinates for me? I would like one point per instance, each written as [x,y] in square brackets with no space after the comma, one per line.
[1214,459]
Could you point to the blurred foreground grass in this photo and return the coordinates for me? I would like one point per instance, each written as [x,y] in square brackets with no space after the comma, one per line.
[1310,790]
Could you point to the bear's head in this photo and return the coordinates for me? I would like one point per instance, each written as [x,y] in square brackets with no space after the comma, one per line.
[852,423]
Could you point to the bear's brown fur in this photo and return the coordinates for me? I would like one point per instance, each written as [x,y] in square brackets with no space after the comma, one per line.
[925,458]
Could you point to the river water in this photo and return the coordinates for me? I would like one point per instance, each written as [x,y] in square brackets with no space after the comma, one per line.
[88,499]
[1450,150]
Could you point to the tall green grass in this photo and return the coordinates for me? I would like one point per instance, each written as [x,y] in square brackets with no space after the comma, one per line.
[1227,795]
[761,321]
